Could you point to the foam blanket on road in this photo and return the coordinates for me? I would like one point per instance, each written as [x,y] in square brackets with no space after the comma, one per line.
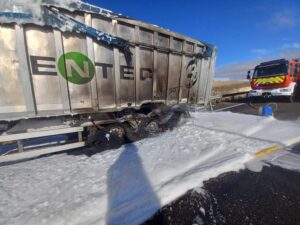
[128,185]
[263,128]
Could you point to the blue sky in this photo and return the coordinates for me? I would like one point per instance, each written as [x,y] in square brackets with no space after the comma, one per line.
[245,31]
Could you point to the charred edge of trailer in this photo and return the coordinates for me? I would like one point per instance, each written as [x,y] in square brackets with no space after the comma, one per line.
[92,68]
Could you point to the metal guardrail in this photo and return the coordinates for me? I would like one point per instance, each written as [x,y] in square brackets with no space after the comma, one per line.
[235,94]
[213,100]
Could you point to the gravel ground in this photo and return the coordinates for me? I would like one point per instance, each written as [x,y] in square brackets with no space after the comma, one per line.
[270,197]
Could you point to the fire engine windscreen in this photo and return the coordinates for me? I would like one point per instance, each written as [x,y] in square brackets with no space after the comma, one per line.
[270,70]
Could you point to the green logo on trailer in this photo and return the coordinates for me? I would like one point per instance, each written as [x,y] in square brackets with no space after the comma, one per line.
[76,68]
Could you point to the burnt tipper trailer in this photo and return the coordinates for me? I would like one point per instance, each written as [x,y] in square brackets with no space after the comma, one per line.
[73,65]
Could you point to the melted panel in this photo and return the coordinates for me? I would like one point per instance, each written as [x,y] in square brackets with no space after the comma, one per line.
[162,75]
[174,79]
[188,79]
[127,80]
[146,75]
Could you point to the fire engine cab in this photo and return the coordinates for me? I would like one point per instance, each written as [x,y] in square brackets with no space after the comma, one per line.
[275,78]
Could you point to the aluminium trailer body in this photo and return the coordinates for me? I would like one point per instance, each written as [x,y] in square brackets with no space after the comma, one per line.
[77,59]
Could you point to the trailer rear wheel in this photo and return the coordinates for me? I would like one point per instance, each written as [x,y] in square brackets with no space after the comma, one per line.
[112,136]
[153,127]
[137,133]
[115,135]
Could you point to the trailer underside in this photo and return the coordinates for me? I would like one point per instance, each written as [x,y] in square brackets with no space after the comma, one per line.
[97,131]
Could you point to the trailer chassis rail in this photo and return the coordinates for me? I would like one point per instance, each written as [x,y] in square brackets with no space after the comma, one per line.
[27,154]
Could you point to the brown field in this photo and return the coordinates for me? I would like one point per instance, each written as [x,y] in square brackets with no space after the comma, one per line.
[229,87]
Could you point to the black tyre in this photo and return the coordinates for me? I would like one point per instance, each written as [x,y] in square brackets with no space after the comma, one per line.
[297,93]
[116,136]
[112,136]
[138,133]
[153,127]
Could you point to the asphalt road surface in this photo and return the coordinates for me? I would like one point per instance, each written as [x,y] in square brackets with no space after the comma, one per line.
[269,197]
[282,110]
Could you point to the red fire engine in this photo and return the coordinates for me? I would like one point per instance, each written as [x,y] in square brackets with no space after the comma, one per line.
[275,78]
